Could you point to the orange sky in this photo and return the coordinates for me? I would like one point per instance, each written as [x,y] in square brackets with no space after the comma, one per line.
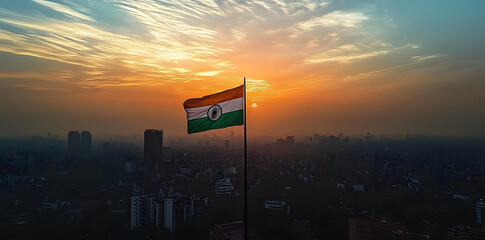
[118,67]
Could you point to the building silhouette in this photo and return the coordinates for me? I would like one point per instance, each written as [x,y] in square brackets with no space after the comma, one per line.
[480,212]
[85,143]
[139,210]
[73,143]
[169,214]
[151,209]
[153,152]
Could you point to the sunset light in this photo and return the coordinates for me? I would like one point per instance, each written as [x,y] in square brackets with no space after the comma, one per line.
[367,66]
[242,119]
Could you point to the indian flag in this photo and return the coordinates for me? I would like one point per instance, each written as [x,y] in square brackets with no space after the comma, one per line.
[219,110]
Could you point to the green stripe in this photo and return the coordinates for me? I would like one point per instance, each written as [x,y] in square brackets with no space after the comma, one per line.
[226,120]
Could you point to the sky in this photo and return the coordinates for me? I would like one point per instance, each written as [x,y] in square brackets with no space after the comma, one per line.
[328,67]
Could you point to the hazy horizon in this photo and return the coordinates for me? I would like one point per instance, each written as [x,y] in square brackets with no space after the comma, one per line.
[225,134]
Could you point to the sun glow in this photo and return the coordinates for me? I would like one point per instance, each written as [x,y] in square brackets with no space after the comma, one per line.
[329,62]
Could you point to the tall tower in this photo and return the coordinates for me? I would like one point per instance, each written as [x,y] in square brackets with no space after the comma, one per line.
[169,214]
[138,210]
[73,140]
[480,208]
[85,142]
[153,155]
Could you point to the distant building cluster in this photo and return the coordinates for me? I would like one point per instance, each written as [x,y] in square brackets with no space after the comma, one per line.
[331,182]
[162,210]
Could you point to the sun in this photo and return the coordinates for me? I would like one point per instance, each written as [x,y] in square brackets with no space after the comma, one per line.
[254,105]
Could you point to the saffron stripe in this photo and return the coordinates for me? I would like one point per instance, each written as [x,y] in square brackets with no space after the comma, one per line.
[212,99]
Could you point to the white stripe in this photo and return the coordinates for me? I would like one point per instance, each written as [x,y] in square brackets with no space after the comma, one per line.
[227,106]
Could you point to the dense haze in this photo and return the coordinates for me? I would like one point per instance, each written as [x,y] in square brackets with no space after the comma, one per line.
[119,67]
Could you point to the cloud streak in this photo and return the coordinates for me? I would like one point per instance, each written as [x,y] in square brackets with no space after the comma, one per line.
[339,55]
[336,18]
[64,10]
[182,39]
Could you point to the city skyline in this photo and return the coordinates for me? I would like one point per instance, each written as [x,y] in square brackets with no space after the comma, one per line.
[119,67]
[416,187]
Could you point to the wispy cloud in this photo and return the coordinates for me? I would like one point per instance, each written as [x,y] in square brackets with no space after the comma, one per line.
[347,53]
[336,18]
[208,74]
[421,58]
[189,40]
[63,9]
[257,84]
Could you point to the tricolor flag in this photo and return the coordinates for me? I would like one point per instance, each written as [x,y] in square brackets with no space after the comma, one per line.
[215,111]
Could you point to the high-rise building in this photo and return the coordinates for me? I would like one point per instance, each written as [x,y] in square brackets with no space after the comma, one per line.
[85,143]
[187,208]
[139,207]
[159,215]
[149,210]
[139,204]
[480,208]
[224,187]
[213,175]
[153,209]
[153,152]
[73,143]
[169,214]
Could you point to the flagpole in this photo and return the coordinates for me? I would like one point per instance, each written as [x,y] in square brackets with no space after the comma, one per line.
[245,169]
